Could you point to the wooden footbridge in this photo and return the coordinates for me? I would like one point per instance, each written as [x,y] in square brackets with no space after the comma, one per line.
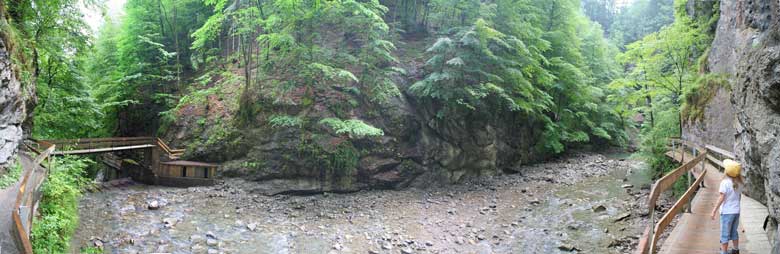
[161,158]
[695,232]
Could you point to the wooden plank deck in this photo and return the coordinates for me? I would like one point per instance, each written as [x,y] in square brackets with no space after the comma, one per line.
[696,233]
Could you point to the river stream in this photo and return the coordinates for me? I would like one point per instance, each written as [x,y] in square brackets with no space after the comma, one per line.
[586,203]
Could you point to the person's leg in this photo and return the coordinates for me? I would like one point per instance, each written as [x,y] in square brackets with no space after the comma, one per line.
[725,230]
[735,232]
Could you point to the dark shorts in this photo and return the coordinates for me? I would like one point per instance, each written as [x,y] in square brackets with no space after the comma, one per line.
[728,227]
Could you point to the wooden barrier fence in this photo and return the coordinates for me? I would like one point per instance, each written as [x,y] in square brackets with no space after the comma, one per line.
[649,241]
[29,195]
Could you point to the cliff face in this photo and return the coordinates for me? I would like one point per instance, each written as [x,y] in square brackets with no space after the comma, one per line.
[417,148]
[747,48]
[12,100]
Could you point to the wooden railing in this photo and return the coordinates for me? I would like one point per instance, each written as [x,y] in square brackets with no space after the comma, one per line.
[94,145]
[173,154]
[29,189]
[29,194]
[649,242]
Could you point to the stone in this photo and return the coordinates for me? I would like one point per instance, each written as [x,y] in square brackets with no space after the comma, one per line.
[387,246]
[153,205]
[213,251]
[251,226]
[406,250]
[626,186]
[599,208]
[568,247]
[622,217]
[212,242]
[169,222]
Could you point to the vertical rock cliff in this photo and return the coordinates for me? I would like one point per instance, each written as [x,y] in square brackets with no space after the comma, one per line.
[747,49]
[12,98]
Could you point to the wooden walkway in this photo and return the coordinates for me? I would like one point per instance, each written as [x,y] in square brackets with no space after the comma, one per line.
[697,233]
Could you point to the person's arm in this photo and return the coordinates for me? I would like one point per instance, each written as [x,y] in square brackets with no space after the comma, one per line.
[717,205]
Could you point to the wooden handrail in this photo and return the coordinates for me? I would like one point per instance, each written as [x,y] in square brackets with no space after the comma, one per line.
[46,149]
[97,139]
[721,152]
[676,209]
[24,193]
[652,233]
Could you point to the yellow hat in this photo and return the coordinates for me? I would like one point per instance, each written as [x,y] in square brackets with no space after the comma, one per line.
[732,167]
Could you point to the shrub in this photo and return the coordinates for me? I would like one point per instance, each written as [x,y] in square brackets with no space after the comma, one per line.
[58,208]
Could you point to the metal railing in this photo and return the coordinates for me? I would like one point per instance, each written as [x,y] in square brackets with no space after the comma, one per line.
[30,193]
[649,242]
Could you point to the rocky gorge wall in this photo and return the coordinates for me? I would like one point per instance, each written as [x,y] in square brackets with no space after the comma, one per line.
[717,125]
[747,49]
[12,100]
[417,149]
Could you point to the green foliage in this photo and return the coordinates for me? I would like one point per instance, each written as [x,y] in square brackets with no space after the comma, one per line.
[354,128]
[92,250]
[58,208]
[661,68]
[697,97]
[527,58]
[285,121]
[641,18]
[12,176]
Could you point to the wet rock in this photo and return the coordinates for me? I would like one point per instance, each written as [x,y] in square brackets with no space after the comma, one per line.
[387,246]
[370,251]
[626,186]
[212,242]
[210,234]
[213,251]
[622,217]
[406,250]
[568,247]
[599,208]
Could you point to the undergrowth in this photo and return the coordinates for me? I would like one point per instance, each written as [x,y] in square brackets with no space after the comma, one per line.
[58,208]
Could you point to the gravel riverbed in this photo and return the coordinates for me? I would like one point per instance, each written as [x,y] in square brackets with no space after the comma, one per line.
[584,202]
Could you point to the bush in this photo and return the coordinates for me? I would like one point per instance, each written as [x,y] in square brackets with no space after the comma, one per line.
[58,208]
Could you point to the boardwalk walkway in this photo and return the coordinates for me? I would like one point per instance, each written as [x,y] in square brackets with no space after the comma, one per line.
[7,199]
[696,233]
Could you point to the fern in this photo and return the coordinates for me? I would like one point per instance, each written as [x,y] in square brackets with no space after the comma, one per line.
[354,128]
[285,121]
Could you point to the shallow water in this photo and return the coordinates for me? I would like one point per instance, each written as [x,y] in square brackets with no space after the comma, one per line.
[499,216]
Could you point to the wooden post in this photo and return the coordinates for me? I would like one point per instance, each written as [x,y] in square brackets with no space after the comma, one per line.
[651,235]
[155,163]
[690,181]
